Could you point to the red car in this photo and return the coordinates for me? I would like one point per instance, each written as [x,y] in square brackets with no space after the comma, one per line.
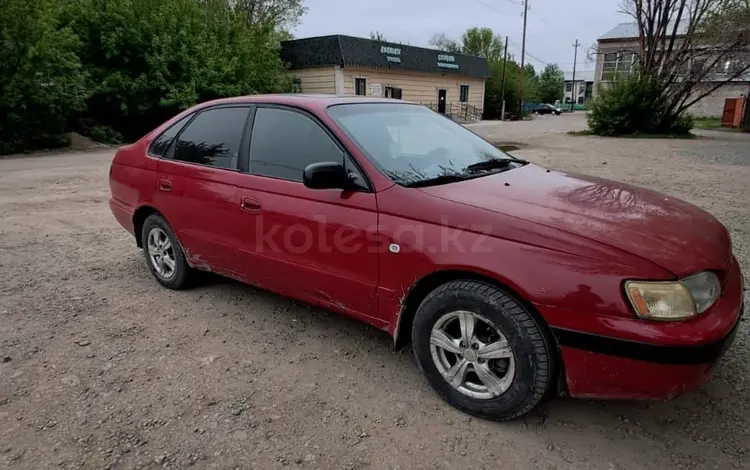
[509,279]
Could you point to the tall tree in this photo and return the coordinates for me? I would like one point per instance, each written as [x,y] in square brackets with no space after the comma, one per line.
[482,42]
[444,43]
[42,80]
[378,36]
[690,48]
[551,83]
[283,14]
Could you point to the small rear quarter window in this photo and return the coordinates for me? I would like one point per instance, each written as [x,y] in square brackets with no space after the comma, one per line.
[160,145]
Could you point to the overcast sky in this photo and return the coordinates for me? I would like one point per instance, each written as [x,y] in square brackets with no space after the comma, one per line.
[553,25]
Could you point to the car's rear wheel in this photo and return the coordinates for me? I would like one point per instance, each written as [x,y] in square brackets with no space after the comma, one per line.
[164,256]
[482,350]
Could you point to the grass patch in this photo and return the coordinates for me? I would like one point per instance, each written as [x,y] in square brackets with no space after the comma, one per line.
[707,123]
[637,135]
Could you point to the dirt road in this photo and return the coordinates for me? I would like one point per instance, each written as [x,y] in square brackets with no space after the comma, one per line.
[102,368]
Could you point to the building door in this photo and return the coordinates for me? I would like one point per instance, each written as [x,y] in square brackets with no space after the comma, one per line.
[441,100]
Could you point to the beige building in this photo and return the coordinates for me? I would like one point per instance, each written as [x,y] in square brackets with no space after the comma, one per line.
[617,55]
[452,84]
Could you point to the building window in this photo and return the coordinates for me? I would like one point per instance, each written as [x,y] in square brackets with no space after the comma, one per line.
[580,100]
[360,86]
[464,93]
[617,64]
[568,87]
[391,92]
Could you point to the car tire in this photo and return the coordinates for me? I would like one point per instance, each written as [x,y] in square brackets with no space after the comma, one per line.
[519,374]
[163,253]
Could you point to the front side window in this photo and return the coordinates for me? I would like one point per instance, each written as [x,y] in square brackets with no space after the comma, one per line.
[464,93]
[213,138]
[161,144]
[360,86]
[413,145]
[284,142]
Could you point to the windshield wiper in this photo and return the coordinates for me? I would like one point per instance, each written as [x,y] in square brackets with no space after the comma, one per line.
[442,179]
[493,163]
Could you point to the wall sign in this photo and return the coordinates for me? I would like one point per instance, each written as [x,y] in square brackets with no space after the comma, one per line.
[392,53]
[446,61]
[376,89]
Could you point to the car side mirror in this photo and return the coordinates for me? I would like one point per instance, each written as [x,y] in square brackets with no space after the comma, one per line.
[327,175]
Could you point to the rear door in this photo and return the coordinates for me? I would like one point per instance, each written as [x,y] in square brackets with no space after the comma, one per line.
[315,245]
[198,189]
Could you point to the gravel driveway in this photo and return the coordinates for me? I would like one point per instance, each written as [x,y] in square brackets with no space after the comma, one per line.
[102,368]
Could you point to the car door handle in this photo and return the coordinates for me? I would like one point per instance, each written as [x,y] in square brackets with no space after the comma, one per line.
[165,185]
[250,204]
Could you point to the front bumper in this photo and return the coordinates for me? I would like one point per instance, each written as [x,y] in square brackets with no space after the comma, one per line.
[649,360]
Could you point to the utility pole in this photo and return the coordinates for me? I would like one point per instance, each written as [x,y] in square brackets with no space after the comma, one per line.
[523,56]
[505,65]
[573,91]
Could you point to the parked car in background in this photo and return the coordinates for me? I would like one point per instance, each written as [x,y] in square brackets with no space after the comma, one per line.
[548,109]
[508,278]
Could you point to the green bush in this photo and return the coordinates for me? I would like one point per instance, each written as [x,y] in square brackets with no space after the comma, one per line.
[635,106]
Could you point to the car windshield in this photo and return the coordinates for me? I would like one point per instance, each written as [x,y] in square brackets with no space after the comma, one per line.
[414,146]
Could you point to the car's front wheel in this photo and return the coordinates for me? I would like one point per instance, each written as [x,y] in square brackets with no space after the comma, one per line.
[163,252]
[482,350]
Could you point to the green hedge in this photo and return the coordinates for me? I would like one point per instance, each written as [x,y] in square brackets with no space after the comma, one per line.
[115,69]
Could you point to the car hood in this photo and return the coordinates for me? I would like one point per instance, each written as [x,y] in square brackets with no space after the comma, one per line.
[671,233]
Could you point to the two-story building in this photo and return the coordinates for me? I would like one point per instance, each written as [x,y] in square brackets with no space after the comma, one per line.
[580,90]
[450,83]
[617,53]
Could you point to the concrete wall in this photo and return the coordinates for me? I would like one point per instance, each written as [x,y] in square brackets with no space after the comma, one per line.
[316,80]
[418,87]
[713,104]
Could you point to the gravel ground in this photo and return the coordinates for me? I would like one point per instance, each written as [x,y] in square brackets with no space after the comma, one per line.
[102,368]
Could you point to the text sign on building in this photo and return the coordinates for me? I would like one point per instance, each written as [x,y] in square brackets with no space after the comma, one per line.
[376,89]
[447,61]
[392,53]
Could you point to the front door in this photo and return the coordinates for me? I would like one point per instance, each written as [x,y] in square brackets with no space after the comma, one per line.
[315,245]
[441,100]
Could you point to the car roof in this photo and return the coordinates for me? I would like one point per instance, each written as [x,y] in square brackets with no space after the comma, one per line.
[310,101]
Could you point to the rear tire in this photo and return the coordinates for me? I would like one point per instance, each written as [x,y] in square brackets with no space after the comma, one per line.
[163,253]
[481,350]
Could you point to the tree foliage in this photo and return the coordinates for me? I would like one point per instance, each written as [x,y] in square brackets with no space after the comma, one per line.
[482,42]
[122,67]
[551,83]
[42,80]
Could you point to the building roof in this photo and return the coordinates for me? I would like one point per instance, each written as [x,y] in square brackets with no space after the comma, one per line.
[351,51]
[630,31]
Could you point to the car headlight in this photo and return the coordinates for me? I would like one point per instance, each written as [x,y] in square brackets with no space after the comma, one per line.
[673,300]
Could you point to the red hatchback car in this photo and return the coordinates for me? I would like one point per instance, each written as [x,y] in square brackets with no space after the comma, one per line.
[508,279]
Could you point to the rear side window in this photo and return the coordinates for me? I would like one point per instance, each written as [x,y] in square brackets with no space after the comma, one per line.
[284,142]
[213,138]
[160,145]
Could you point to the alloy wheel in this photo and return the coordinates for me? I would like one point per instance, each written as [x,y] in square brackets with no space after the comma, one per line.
[472,355]
[161,253]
